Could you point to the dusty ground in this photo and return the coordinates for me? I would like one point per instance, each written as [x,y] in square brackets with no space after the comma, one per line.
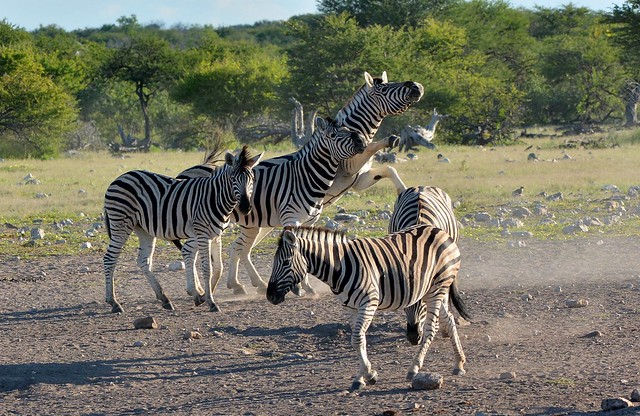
[63,352]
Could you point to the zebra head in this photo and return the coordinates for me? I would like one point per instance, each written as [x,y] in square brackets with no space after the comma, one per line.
[391,97]
[289,267]
[242,177]
[342,142]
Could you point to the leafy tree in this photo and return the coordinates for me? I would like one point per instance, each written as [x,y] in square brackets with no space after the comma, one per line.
[625,20]
[394,13]
[35,113]
[148,64]
[232,82]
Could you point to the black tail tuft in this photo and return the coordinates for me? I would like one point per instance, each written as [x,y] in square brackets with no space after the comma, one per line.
[456,300]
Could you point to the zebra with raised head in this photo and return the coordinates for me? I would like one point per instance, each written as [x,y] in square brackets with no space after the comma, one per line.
[426,205]
[363,113]
[392,272]
[157,206]
[290,191]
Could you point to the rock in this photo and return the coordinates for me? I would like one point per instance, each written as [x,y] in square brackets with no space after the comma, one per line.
[574,229]
[576,303]
[176,265]
[512,223]
[192,335]
[508,375]
[521,212]
[558,289]
[85,245]
[145,323]
[346,217]
[140,344]
[593,334]
[37,233]
[615,404]
[533,157]
[555,197]
[526,297]
[482,217]
[610,188]
[635,395]
[427,381]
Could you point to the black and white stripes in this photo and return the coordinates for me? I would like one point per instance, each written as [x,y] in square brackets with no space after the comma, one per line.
[392,272]
[156,206]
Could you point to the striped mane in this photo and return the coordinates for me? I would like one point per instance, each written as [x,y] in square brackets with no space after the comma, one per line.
[317,234]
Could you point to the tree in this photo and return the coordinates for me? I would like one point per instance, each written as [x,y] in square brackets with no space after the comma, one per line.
[625,20]
[150,65]
[35,113]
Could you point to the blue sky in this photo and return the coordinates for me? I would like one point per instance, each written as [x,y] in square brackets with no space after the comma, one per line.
[79,14]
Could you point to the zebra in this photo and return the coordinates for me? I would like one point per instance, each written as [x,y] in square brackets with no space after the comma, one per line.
[428,205]
[291,193]
[363,113]
[157,206]
[391,272]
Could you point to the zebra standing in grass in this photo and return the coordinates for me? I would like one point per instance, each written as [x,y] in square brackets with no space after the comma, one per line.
[392,272]
[290,192]
[427,205]
[157,206]
[363,113]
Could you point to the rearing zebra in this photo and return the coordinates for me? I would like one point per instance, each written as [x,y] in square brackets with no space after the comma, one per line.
[427,205]
[367,274]
[153,205]
[363,113]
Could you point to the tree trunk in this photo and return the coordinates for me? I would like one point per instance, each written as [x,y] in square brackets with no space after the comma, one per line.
[301,132]
[144,103]
[632,98]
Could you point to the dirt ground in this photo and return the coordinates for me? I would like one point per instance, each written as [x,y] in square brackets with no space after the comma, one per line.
[63,352]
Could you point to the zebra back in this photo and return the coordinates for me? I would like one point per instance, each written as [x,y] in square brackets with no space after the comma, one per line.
[393,272]
[427,205]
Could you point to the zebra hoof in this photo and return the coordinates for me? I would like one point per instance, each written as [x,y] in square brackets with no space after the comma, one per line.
[239,290]
[214,308]
[297,290]
[374,378]
[116,308]
[459,372]
[357,385]
[199,300]
[411,375]
[168,305]
[393,141]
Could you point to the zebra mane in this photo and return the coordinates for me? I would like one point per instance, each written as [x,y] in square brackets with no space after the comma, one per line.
[316,234]
[212,157]
[245,158]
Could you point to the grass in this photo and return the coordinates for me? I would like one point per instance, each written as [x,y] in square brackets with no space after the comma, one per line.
[478,179]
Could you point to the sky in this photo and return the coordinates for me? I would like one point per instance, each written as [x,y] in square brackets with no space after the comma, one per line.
[80,14]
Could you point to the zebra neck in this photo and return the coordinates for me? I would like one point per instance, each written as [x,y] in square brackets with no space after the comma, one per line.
[323,260]
[357,115]
[320,153]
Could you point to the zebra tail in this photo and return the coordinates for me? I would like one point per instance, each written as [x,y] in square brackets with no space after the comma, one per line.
[456,300]
[106,224]
[177,243]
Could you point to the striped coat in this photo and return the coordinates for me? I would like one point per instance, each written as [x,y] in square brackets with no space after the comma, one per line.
[157,206]
[366,274]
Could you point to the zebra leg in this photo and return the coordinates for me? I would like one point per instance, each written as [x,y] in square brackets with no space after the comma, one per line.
[110,260]
[415,322]
[145,262]
[449,325]
[241,250]
[433,302]
[211,267]
[359,342]
[190,256]
[372,176]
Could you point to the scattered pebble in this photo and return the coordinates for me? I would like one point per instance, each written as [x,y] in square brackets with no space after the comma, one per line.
[508,375]
[145,323]
[576,303]
[615,404]
[427,381]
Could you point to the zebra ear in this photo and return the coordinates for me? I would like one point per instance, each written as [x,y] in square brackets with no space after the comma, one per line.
[321,124]
[254,160]
[289,238]
[384,77]
[368,79]
[229,159]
